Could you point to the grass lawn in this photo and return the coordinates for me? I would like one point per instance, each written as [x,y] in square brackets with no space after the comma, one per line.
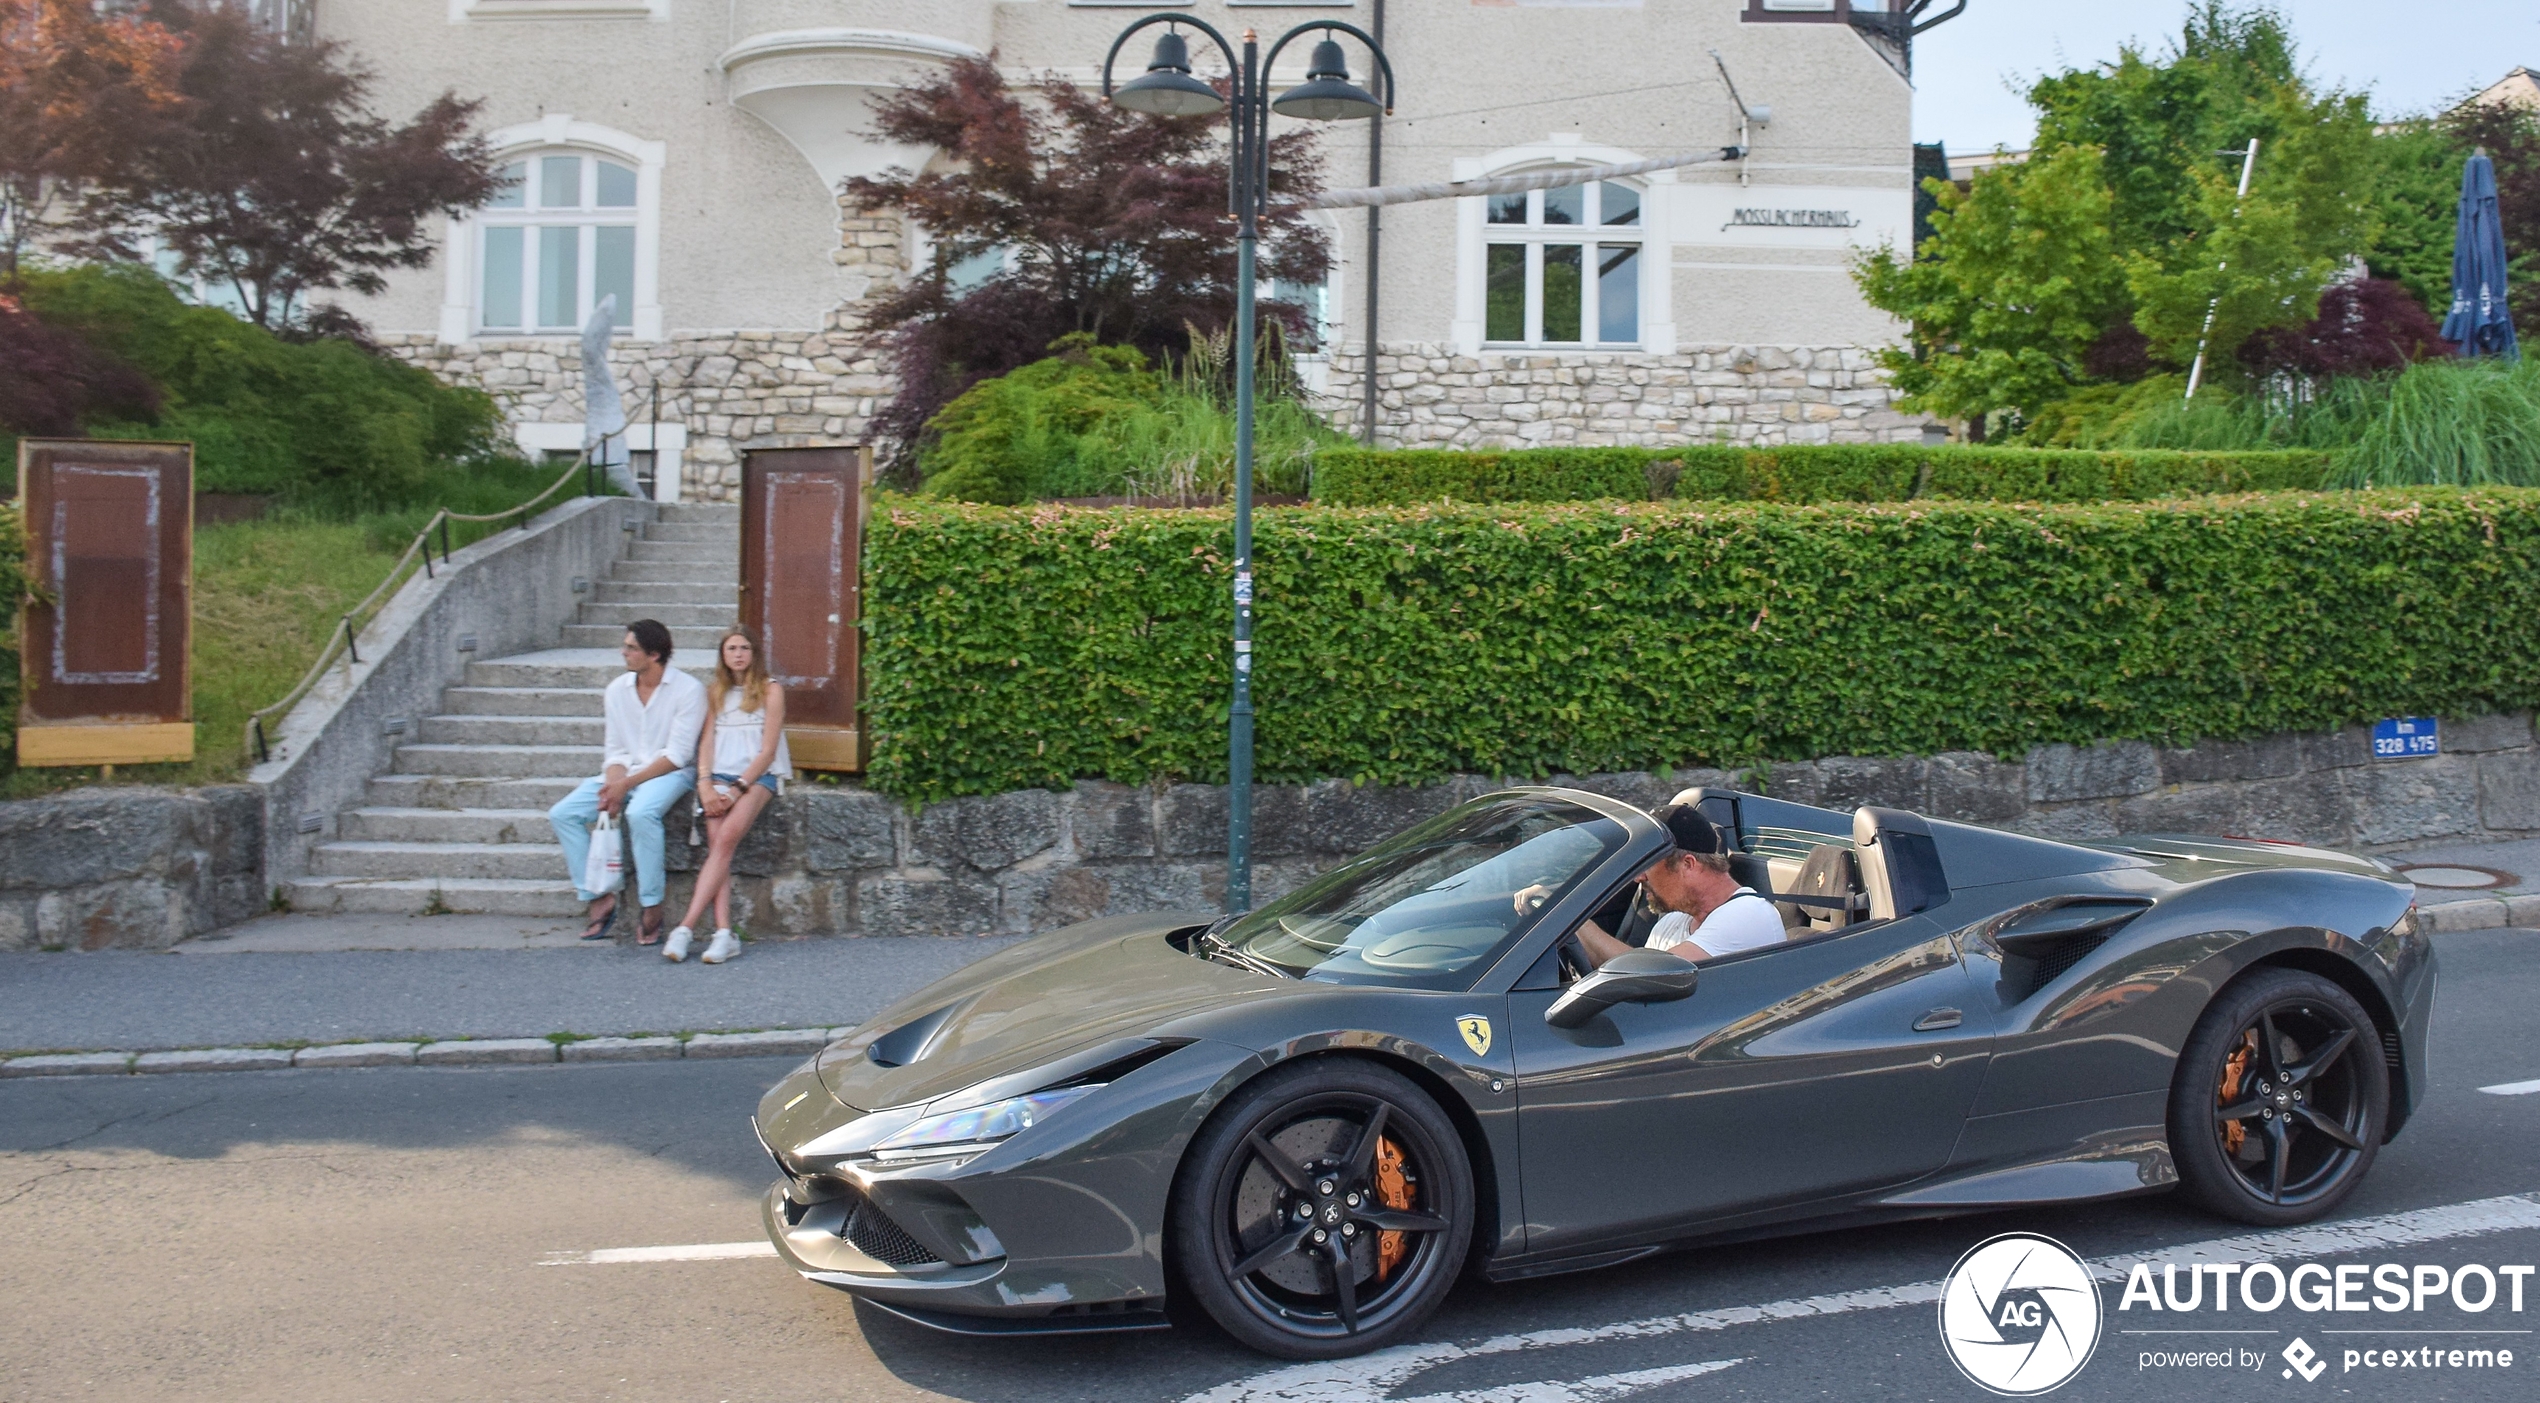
[266,596]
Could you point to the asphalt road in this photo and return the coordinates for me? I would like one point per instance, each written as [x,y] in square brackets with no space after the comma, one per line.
[379,1234]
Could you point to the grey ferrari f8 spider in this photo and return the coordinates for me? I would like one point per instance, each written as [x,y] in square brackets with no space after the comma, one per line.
[1309,1121]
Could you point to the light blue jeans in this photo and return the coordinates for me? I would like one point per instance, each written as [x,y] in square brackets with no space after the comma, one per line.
[574,814]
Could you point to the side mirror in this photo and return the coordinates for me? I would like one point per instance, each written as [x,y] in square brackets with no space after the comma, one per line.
[1632,977]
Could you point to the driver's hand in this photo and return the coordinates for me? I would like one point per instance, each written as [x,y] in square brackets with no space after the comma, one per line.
[1531,898]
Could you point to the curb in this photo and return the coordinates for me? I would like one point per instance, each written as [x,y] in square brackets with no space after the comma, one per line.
[452,1052]
[2482,913]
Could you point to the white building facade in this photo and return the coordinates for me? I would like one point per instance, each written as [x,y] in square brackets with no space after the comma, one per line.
[685,156]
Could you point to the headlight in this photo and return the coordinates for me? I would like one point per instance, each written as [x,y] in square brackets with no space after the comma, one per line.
[968,1132]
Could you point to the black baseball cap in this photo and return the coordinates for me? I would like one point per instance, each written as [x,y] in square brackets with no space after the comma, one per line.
[1693,833]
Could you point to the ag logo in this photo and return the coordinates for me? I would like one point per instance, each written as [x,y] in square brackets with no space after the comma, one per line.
[1476,1031]
[2019,1314]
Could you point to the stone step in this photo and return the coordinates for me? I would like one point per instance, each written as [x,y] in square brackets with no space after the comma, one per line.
[724,573]
[402,825]
[724,595]
[522,701]
[394,860]
[722,513]
[584,731]
[697,637]
[619,615]
[686,552]
[721,533]
[499,761]
[591,667]
[409,896]
[437,792]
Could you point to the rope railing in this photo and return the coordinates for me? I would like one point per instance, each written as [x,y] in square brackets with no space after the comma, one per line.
[343,640]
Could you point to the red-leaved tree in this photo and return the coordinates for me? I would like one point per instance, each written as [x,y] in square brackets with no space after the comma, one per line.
[77,90]
[2365,327]
[1109,223]
[271,173]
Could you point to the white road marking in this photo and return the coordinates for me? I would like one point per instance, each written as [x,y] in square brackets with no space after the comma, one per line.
[1372,1375]
[2512,1088]
[1595,1390]
[693,1252]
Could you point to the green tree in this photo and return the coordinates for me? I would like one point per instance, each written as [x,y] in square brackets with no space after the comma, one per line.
[2018,279]
[2097,259]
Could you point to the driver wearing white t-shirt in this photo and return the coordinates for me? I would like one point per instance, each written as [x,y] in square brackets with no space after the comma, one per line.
[1708,913]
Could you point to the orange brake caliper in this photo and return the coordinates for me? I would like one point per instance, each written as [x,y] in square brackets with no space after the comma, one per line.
[1393,1190]
[2234,1068]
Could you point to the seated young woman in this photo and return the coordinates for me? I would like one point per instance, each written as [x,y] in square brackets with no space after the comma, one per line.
[743,765]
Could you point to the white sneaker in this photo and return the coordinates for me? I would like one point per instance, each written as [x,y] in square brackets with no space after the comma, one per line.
[724,946]
[677,949]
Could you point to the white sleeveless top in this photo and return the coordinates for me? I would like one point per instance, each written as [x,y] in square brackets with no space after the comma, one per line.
[737,737]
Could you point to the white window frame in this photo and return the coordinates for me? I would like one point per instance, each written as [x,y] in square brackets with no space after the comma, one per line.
[1474,235]
[559,134]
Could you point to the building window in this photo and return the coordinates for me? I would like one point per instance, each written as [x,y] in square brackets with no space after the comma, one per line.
[558,238]
[1562,267]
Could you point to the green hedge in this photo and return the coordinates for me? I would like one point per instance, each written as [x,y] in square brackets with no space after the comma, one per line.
[1034,646]
[1866,472]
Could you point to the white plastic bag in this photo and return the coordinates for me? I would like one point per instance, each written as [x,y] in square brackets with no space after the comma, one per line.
[604,870]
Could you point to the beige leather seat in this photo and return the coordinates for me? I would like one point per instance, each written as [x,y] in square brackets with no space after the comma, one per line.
[1900,868]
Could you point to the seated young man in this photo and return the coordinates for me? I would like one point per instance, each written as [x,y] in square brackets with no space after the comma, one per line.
[1708,913]
[655,714]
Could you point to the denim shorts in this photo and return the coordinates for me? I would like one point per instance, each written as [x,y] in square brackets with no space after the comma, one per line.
[766,782]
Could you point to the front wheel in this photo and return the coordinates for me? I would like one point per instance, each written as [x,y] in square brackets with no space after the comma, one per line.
[2279,1101]
[1325,1211]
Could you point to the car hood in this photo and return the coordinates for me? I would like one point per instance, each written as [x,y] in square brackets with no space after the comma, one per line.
[1030,1005]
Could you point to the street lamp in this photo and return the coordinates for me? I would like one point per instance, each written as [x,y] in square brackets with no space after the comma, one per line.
[1167,89]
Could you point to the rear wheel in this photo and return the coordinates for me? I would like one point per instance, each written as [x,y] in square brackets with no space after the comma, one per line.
[1324,1211]
[2280,1099]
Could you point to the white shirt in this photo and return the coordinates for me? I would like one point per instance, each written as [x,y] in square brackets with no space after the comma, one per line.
[1745,921]
[641,732]
[738,735]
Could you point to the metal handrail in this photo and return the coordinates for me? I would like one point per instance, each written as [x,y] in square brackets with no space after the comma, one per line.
[253,737]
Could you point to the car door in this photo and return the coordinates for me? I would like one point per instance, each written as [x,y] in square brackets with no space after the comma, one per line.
[1823,1067]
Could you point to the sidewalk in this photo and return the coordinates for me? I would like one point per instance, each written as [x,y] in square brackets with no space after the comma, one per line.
[355,978]
[454,977]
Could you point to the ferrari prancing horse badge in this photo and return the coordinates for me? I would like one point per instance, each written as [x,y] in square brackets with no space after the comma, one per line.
[1476,1031]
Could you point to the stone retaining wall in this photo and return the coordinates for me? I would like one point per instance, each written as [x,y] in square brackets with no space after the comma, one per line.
[145,868]
[846,860]
[141,869]
[1430,397]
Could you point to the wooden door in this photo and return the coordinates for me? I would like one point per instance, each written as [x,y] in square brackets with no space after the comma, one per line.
[802,524]
[103,658]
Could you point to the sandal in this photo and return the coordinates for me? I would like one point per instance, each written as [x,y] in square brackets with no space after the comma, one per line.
[648,926]
[598,929]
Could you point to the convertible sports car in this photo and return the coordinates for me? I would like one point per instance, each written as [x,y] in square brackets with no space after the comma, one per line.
[1309,1120]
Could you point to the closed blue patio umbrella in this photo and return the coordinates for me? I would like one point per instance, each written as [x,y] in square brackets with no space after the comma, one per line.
[2478,322]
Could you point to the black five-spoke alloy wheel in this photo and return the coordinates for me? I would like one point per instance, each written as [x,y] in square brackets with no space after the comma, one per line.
[1324,1211]
[2280,1099]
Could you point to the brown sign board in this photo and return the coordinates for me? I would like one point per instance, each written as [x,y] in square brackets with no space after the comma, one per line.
[105,633]
[802,529]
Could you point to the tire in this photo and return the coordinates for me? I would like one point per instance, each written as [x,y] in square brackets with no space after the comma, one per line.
[1296,1140]
[2303,1143]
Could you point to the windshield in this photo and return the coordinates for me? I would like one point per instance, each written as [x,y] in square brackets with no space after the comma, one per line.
[1432,901]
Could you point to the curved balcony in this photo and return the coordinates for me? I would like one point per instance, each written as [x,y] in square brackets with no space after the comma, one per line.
[812,70]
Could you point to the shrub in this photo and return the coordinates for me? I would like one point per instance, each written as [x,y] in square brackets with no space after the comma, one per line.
[1094,420]
[2439,422]
[323,418]
[1014,647]
[1879,472]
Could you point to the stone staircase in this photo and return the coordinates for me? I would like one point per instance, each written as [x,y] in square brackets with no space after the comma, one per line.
[459,823]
